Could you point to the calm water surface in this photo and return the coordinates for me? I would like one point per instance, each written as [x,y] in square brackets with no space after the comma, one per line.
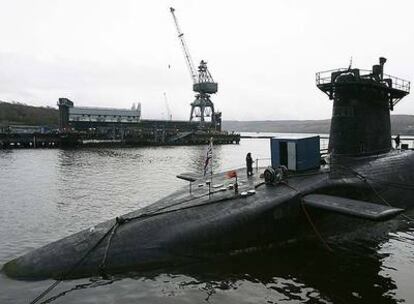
[48,194]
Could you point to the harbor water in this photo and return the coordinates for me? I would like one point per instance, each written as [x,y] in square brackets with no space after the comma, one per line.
[47,194]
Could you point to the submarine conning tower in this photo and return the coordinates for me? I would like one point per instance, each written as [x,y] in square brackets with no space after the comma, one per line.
[362,100]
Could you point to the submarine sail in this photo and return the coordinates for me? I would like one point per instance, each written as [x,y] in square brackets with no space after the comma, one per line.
[362,101]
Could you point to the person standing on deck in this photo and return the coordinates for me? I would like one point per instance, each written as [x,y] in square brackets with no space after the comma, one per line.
[249,164]
[397,141]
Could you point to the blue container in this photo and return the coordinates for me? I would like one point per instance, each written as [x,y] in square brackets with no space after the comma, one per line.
[296,153]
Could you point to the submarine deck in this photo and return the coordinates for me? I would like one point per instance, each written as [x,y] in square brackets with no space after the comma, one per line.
[197,224]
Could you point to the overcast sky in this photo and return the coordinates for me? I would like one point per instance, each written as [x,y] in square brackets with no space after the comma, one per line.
[263,54]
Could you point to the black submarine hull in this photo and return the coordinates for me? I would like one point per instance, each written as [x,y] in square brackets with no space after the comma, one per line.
[192,227]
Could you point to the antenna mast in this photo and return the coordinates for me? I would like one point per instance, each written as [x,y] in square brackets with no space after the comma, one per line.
[169,115]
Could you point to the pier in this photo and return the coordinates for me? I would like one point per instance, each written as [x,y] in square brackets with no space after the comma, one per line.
[115,136]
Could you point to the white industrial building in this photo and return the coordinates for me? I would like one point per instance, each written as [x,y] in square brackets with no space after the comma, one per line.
[104,114]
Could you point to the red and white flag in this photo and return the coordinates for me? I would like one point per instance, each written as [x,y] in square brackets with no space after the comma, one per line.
[231,174]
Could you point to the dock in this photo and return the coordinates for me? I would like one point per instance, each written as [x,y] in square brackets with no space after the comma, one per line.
[90,139]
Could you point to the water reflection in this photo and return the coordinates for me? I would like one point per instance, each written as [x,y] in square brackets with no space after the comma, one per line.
[300,274]
[306,274]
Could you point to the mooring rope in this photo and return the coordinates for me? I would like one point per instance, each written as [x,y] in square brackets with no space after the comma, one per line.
[111,231]
[308,217]
[386,202]
[78,263]
[118,221]
[315,229]
[387,183]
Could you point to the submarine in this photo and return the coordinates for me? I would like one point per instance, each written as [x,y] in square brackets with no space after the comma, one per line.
[361,182]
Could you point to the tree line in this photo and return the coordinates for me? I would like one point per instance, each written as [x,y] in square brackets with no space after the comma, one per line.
[22,114]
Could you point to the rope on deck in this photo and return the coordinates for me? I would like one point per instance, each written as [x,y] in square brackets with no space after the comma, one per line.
[78,263]
[308,217]
[397,185]
[111,232]
[118,221]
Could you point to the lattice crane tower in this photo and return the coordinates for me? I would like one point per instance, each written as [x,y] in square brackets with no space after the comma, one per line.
[203,83]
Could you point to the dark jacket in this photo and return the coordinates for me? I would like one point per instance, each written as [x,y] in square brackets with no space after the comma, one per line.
[249,161]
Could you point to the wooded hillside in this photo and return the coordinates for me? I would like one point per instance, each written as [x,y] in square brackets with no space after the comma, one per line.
[18,113]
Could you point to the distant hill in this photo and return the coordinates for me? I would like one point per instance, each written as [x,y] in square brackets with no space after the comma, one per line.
[22,114]
[279,126]
[19,113]
[401,124]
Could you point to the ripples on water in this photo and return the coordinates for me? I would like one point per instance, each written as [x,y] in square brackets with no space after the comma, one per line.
[48,194]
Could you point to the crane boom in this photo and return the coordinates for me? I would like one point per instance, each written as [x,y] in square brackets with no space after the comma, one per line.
[188,58]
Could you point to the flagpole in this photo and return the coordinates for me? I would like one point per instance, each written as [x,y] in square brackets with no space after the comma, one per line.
[209,162]
[211,165]
[236,186]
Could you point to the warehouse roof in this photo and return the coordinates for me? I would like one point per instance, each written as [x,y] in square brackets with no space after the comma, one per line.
[102,111]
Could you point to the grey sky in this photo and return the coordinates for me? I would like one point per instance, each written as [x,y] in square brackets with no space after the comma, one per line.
[264,54]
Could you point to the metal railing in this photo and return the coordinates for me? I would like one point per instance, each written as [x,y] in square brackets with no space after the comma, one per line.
[262,159]
[325,77]
[398,83]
